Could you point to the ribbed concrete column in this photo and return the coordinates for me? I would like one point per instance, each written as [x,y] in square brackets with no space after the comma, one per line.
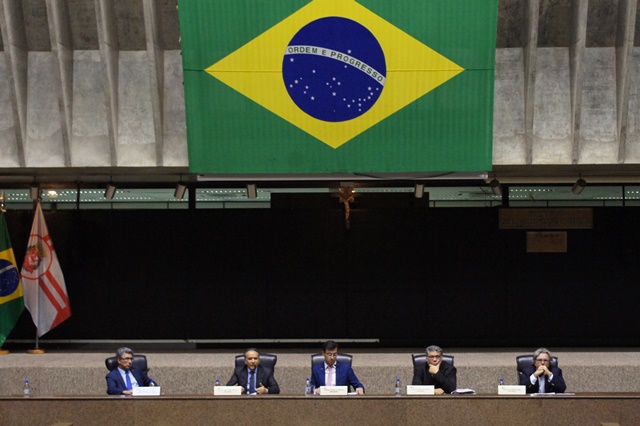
[62,49]
[576,61]
[530,63]
[16,54]
[627,10]
[156,74]
[108,40]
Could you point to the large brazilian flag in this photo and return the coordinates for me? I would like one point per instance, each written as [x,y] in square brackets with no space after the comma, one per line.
[338,86]
[11,300]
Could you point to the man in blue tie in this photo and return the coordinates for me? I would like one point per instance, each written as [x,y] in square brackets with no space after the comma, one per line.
[122,380]
[254,379]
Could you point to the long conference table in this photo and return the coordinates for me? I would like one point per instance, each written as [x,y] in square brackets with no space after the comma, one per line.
[574,409]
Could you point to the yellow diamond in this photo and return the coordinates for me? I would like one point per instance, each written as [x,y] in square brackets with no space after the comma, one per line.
[255,70]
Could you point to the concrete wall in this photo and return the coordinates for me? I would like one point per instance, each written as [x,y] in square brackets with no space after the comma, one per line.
[177,372]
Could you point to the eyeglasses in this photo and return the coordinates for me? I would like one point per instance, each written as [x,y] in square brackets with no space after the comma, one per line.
[434,356]
[127,359]
[541,360]
[331,355]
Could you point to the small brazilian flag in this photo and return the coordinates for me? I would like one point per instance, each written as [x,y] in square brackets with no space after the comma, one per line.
[11,301]
[338,86]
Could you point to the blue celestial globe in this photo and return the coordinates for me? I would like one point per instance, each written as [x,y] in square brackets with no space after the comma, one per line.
[334,69]
[9,278]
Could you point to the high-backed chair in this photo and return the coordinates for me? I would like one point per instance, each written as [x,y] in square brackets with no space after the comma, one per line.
[523,361]
[342,359]
[266,360]
[139,361]
[421,359]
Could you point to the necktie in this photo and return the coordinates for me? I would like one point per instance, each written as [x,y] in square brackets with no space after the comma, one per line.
[128,378]
[329,376]
[252,383]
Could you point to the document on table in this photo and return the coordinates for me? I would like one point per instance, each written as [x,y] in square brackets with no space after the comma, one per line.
[463,391]
[553,393]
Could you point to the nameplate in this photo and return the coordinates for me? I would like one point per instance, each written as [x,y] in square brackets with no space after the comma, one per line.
[333,390]
[420,389]
[146,391]
[227,390]
[512,390]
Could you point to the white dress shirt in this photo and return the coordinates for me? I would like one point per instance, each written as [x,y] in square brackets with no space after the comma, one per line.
[329,371]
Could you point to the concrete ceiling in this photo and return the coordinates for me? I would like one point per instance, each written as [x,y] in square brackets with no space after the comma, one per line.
[554,23]
[82,26]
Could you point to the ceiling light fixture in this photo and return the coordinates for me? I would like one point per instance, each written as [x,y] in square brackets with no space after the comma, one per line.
[252,191]
[180,191]
[34,192]
[110,192]
[579,186]
[496,188]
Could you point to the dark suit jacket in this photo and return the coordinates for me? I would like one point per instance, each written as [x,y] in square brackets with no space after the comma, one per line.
[265,376]
[344,376]
[444,379]
[116,384]
[556,385]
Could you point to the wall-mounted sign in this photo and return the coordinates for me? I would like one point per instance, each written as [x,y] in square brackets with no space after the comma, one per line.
[542,218]
[547,242]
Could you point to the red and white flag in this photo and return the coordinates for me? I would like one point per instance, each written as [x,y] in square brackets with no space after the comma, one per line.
[45,293]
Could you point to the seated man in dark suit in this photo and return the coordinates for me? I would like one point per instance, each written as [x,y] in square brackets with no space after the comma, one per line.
[332,373]
[436,372]
[253,378]
[541,377]
[122,380]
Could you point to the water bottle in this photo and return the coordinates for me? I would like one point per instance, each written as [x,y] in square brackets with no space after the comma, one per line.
[26,390]
[307,388]
[398,387]
[501,383]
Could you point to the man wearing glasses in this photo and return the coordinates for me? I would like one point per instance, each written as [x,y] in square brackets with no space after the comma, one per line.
[122,380]
[333,373]
[436,372]
[541,377]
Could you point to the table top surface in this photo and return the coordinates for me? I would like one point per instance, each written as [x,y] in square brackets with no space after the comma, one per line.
[581,395]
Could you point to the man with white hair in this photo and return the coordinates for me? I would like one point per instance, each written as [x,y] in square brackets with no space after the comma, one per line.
[126,376]
[541,377]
